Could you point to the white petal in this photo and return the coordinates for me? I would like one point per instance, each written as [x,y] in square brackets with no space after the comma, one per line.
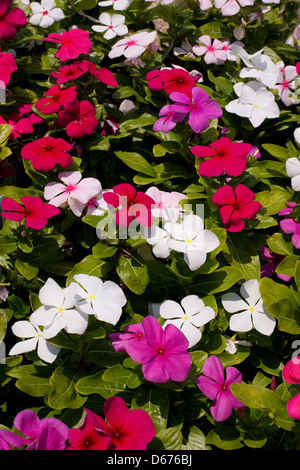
[56,326]
[171,309]
[23,347]
[192,333]
[264,323]
[43,316]
[57,14]
[48,4]
[194,259]
[35,19]
[46,21]
[121,30]
[210,242]
[206,315]
[91,284]
[175,230]
[36,8]
[192,304]
[99,28]
[117,20]
[24,329]
[241,321]
[110,34]
[176,245]
[192,225]
[233,303]
[250,292]
[53,189]
[46,351]
[105,18]
[75,322]
[162,248]
[51,294]
[292,166]
[296,183]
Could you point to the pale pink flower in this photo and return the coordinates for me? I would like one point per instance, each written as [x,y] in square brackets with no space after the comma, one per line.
[166,203]
[214,52]
[286,83]
[132,46]
[73,190]
[232,7]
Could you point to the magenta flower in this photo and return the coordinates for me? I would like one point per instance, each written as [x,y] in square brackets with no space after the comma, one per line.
[35,211]
[200,109]
[291,374]
[214,385]
[122,429]
[10,21]
[164,355]
[42,434]
[130,204]
[268,269]
[130,333]
[78,118]
[72,43]
[18,125]
[168,119]
[290,226]
[55,98]
[7,66]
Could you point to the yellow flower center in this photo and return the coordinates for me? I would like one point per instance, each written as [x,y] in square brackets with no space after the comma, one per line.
[60,309]
[39,335]
[251,309]
[91,296]
[185,317]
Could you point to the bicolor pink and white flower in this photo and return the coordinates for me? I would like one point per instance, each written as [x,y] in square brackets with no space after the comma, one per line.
[215,52]
[286,83]
[111,26]
[73,191]
[132,46]
[44,14]
[116,4]
[232,7]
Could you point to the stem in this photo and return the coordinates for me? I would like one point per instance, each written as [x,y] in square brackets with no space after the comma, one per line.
[131,256]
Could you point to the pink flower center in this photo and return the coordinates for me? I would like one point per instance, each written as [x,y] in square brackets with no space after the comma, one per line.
[130,43]
[70,188]
[285,84]
[211,48]
[45,12]
[110,26]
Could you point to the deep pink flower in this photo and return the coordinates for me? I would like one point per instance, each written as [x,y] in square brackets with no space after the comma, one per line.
[18,125]
[35,211]
[154,80]
[200,109]
[298,68]
[55,98]
[103,74]
[291,374]
[130,333]
[164,355]
[46,152]
[122,429]
[78,118]
[72,43]
[43,434]
[171,80]
[214,385]
[168,119]
[25,110]
[70,71]
[236,205]
[224,156]
[290,226]
[7,66]
[268,269]
[133,205]
[10,21]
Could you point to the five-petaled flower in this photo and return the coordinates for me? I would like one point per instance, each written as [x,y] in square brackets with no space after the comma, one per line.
[45,13]
[55,98]
[78,118]
[291,375]
[33,209]
[132,46]
[130,204]
[217,388]
[223,157]
[72,43]
[47,152]
[11,21]
[235,205]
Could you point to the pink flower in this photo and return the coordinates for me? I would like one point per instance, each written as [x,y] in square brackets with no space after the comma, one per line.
[214,385]
[171,80]
[47,152]
[200,109]
[43,434]
[35,212]
[133,205]
[232,7]
[286,83]
[214,53]
[168,119]
[132,46]
[55,98]
[290,226]
[103,74]
[122,429]
[70,71]
[268,269]
[224,156]
[166,203]
[10,21]
[25,110]
[236,205]
[72,43]
[291,374]
[73,190]
[7,66]
[78,118]
[18,125]
[130,333]
[164,355]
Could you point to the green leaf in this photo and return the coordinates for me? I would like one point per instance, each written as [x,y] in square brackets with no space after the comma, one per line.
[5,131]
[218,281]
[194,439]
[277,151]
[63,393]
[95,384]
[288,265]
[134,275]
[137,162]
[225,438]
[155,402]
[241,253]
[279,245]
[85,4]
[28,270]
[272,201]
[90,265]
[101,250]
[34,386]
[7,245]
[167,439]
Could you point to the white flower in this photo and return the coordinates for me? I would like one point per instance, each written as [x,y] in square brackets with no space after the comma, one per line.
[259,66]
[231,344]
[190,238]
[58,310]
[117,4]
[45,13]
[132,46]
[34,338]
[251,310]
[231,7]
[292,166]
[189,317]
[297,134]
[113,25]
[286,82]
[254,102]
[104,300]
[159,239]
